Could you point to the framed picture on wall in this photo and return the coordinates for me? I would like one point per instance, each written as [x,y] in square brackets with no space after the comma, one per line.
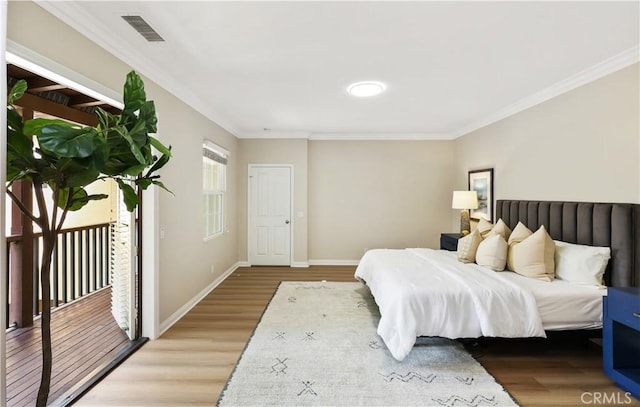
[481,181]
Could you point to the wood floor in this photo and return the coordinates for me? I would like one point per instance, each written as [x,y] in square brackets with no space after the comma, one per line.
[189,365]
[84,337]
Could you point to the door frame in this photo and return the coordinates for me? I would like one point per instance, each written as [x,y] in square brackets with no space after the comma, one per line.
[291,208]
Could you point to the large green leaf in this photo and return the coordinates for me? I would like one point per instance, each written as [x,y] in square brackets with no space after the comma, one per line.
[148,114]
[64,141]
[14,121]
[159,146]
[75,199]
[161,185]
[106,120]
[138,133]
[135,170]
[77,172]
[158,164]
[35,126]
[134,95]
[135,150]
[16,92]
[19,145]
[129,195]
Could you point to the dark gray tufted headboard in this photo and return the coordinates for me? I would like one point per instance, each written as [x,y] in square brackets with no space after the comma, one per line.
[615,225]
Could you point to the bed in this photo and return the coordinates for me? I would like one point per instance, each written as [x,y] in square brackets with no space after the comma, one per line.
[426,292]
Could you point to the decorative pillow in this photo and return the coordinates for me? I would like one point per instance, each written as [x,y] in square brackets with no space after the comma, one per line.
[581,264]
[484,227]
[492,252]
[520,232]
[533,257]
[468,245]
[502,229]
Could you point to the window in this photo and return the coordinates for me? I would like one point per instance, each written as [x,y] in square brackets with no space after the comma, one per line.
[214,185]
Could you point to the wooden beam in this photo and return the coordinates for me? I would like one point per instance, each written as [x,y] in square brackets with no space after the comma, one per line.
[39,104]
[21,254]
[39,84]
[87,104]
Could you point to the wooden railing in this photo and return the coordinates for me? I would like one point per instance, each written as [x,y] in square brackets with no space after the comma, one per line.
[80,266]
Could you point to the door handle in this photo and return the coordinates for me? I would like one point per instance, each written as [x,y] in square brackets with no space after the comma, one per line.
[286,222]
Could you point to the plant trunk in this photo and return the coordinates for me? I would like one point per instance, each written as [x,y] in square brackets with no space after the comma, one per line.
[49,240]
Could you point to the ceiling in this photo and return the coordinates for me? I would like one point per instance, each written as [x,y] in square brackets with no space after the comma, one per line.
[281,69]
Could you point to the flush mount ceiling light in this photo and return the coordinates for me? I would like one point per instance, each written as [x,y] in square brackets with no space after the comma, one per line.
[366,89]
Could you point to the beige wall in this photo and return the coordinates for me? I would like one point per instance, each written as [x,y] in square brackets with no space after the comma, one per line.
[185,260]
[356,194]
[377,194]
[583,145]
[275,151]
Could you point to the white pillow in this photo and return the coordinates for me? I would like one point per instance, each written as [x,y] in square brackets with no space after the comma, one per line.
[484,227]
[501,228]
[519,233]
[492,252]
[581,264]
[468,245]
[533,257]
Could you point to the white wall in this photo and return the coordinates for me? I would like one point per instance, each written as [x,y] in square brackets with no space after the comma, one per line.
[185,260]
[583,145]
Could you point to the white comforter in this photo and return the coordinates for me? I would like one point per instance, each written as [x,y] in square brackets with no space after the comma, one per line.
[425,292]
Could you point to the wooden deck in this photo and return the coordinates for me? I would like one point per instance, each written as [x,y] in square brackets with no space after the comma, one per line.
[84,338]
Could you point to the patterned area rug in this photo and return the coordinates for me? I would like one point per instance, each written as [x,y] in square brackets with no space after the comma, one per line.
[316,345]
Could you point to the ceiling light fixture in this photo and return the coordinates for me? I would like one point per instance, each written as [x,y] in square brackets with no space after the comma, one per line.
[366,89]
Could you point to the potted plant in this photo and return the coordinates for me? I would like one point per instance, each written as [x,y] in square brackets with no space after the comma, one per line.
[66,159]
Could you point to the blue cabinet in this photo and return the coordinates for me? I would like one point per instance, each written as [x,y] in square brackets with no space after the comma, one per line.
[621,337]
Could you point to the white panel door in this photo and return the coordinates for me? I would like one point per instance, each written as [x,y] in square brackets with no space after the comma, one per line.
[270,215]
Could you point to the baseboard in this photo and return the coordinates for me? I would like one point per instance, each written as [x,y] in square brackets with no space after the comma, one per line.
[243,264]
[334,262]
[300,264]
[182,311]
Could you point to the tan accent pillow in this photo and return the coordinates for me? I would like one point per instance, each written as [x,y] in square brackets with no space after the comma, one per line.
[520,232]
[492,252]
[502,229]
[484,227]
[533,257]
[468,245]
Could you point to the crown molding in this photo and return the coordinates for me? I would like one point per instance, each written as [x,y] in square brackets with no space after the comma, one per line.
[92,28]
[267,134]
[380,136]
[604,68]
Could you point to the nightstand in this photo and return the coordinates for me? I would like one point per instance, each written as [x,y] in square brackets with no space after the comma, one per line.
[621,337]
[449,241]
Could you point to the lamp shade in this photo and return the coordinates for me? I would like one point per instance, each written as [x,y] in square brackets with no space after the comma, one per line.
[465,200]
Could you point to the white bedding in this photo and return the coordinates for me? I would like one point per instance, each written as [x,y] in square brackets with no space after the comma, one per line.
[425,292]
[563,305]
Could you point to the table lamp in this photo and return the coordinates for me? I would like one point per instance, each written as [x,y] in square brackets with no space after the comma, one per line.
[465,200]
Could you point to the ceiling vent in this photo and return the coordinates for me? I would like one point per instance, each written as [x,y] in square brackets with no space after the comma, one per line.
[143,28]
